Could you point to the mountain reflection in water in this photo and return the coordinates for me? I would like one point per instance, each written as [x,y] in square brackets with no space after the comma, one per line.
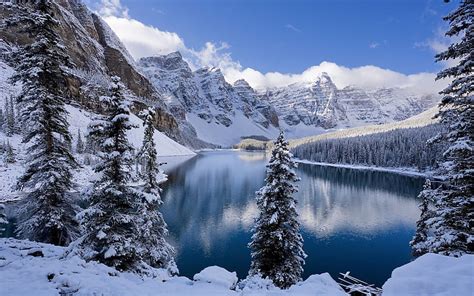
[351,220]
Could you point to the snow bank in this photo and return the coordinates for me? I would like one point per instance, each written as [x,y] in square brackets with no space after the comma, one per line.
[29,268]
[433,275]
[217,275]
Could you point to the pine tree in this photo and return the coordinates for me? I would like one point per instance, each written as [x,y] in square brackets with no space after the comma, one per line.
[79,144]
[452,232]
[3,217]
[157,252]
[418,243]
[2,119]
[277,245]
[112,223]
[11,116]
[8,119]
[9,154]
[49,213]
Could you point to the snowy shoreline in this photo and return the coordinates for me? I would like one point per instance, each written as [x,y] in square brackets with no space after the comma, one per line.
[28,267]
[401,171]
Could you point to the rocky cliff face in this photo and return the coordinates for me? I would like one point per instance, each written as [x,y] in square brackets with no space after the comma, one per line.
[97,54]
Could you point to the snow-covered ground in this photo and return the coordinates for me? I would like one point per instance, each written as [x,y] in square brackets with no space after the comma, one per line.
[29,268]
[228,136]
[433,275]
[400,171]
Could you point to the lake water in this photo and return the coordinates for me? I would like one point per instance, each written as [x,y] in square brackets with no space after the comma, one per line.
[352,220]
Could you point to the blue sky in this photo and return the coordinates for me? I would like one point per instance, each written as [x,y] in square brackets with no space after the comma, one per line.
[291,36]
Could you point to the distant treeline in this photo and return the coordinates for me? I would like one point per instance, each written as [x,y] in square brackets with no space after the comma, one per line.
[397,148]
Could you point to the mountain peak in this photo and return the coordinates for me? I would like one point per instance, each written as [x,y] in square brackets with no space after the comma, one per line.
[242,83]
[171,61]
[324,80]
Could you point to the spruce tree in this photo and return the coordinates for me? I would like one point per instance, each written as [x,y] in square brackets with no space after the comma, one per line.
[9,154]
[3,217]
[112,224]
[8,127]
[418,243]
[452,228]
[277,245]
[11,116]
[48,213]
[157,252]
[2,119]
[80,143]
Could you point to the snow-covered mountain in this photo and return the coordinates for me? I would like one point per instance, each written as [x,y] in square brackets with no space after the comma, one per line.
[223,114]
[321,103]
[219,112]
[196,108]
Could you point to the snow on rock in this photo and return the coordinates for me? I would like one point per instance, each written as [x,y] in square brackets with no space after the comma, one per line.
[217,275]
[30,268]
[433,275]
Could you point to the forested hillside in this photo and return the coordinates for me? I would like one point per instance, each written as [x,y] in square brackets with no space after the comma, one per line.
[408,147]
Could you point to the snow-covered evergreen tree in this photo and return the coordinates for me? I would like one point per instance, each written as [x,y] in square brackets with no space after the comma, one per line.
[453,226]
[48,214]
[112,222]
[418,243]
[2,119]
[8,125]
[9,154]
[3,217]
[80,143]
[157,252]
[11,116]
[277,245]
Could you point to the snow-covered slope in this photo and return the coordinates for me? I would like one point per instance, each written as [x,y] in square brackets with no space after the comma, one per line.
[433,275]
[422,119]
[29,268]
[219,112]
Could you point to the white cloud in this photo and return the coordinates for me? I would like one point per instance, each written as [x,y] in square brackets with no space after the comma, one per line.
[292,28]
[374,45]
[439,43]
[112,8]
[144,40]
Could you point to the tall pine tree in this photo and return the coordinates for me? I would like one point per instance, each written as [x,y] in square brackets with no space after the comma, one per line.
[157,252]
[9,154]
[3,217]
[8,121]
[277,245]
[418,243]
[80,143]
[112,224]
[451,229]
[48,214]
